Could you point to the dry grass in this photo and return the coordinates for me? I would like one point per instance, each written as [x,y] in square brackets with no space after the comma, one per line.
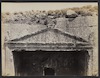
[21,17]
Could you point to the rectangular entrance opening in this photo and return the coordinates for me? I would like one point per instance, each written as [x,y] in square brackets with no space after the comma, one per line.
[28,63]
[49,71]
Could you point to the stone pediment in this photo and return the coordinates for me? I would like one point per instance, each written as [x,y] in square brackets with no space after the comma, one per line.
[48,35]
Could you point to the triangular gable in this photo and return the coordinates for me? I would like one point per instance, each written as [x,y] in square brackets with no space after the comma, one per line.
[49,36]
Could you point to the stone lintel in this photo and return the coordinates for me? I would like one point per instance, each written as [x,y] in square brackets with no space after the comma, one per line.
[48,46]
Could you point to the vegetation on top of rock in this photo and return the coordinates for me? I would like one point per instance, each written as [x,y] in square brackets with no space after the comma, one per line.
[32,17]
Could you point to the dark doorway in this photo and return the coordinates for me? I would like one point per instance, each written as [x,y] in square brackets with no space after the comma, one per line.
[49,71]
[29,63]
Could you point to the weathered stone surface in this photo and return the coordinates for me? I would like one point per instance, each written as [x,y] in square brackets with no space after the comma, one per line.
[71,14]
[13,31]
[62,24]
[42,29]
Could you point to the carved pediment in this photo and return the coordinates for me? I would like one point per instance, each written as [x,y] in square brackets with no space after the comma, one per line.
[49,36]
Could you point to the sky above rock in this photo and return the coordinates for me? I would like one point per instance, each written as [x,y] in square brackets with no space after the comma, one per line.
[17,7]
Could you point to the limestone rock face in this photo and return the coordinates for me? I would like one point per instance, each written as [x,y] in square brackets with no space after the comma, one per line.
[83,26]
[13,31]
[71,14]
[41,15]
[62,24]
[69,28]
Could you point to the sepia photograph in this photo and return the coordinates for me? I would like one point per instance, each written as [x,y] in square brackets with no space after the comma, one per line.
[49,39]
